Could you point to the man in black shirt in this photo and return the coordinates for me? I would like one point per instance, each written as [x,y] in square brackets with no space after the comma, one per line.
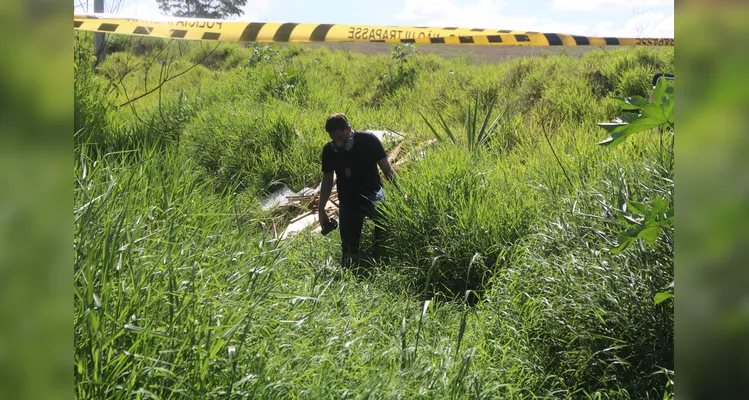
[354,157]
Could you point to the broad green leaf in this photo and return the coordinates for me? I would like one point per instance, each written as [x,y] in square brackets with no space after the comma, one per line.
[668,110]
[623,244]
[631,221]
[631,233]
[611,126]
[611,141]
[666,223]
[653,111]
[619,134]
[670,213]
[623,219]
[650,233]
[628,116]
[668,92]
[638,208]
[659,91]
[625,238]
[659,206]
[641,124]
[631,103]
[663,296]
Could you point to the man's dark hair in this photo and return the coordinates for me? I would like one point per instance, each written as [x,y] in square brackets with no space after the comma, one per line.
[336,122]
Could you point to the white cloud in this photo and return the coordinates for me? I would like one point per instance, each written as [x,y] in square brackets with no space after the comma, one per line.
[665,28]
[608,5]
[645,24]
[143,9]
[439,11]
[602,29]
[254,10]
[492,14]
[486,14]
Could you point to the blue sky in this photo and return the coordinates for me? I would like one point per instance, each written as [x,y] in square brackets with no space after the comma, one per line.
[621,18]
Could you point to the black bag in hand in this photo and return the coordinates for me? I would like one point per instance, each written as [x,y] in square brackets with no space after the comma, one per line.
[329,227]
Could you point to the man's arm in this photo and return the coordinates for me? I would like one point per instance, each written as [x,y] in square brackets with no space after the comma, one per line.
[325,188]
[388,171]
[390,175]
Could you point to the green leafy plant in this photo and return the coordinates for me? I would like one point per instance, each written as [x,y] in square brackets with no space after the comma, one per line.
[289,83]
[404,52]
[644,221]
[477,136]
[659,114]
[262,53]
[401,73]
[648,221]
[647,224]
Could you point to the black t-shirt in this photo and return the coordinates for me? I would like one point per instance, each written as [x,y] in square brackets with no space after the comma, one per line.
[361,161]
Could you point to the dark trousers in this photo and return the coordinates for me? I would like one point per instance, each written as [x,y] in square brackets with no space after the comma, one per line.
[352,216]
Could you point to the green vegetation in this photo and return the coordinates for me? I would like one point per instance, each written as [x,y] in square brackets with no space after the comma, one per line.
[498,279]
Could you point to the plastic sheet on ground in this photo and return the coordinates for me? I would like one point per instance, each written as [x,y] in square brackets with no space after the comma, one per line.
[277,198]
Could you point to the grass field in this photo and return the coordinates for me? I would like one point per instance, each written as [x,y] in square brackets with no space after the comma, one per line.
[477,54]
[497,280]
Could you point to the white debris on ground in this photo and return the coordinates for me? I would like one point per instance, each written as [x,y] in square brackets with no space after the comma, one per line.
[281,197]
[387,137]
[277,198]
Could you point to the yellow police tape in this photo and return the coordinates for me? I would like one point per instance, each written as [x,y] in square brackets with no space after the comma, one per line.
[234,31]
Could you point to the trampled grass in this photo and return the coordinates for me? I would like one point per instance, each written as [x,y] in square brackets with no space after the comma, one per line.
[181,290]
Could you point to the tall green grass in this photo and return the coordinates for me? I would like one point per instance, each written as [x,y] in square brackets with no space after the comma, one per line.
[496,281]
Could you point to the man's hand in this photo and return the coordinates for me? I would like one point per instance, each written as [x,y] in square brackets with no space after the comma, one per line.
[323,218]
[325,188]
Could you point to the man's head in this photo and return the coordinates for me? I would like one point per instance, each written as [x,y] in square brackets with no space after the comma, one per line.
[339,130]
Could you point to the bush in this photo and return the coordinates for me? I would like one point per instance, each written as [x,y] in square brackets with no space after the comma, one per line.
[519,69]
[118,43]
[568,101]
[634,69]
[289,83]
[600,84]
[262,53]
[563,286]
[147,45]
[248,146]
[456,209]
[635,82]
[400,74]
[94,111]
[292,50]
[225,56]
